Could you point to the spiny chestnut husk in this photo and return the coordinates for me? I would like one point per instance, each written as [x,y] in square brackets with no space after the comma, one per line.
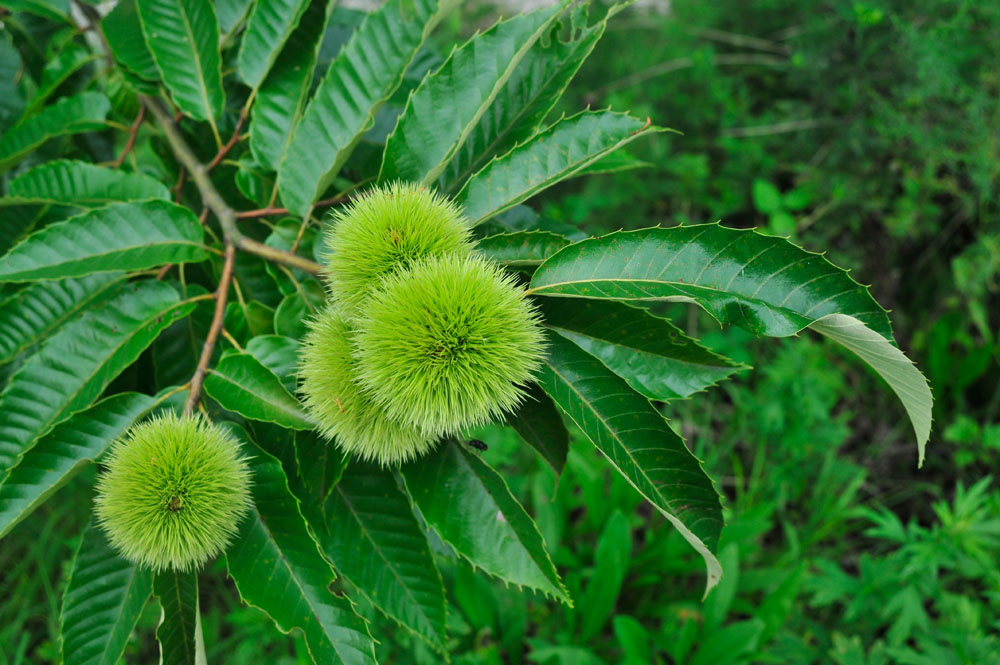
[343,412]
[173,493]
[448,344]
[385,230]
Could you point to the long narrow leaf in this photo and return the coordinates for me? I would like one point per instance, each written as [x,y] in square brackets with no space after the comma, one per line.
[83,184]
[270,24]
[70,115]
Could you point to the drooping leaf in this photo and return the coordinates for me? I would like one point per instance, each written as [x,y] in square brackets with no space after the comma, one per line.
[320,464]
[539,424]
[77,363]
[270,24]
[83,184]
[102,603]
[278,568]
[653,355]
[242,384]
[35,311]
[123,31]
[526,99]
[278,354]
[637,441]
[470,506]
[70,115]
[448,105]
[179,632]
[183,37]
[373,540]
[522,249]
[121,236]
[66,450]
[364,75]
[611,562]
[57,69]
[554,154]
[761,283]
[282,96]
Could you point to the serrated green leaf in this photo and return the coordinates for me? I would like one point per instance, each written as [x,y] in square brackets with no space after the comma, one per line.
[282,96]
[83,184]
[364,75]
[70,115]
[615,162]
[121,236]
[183,37]
[470,506]
[554,154]
[293,312]
[447,106]
[525,100]
[56,71]
[123,30]
[35,311]
[637,441]
[278,568]
[761,283]
[269,26]
[66,450]
[241,384]
[179,632]
[77,363]
[102,603]
[373,540]
[541,427]
[279,354]
[522,249]
[653,355]
[319,464]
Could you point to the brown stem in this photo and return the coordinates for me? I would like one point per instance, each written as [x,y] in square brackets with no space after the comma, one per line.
[224,150]
[266,212]
[132,133]
[213,332]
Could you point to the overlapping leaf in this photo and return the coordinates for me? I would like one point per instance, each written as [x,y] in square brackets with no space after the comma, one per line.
[77,363]
[123,31]
[63,65]
[35,311]
[654,356]
[121,236]
[447,107]
[470,506]
[279,354]
[70,115]
[63,452]
[761,283]
[278,568]
[179,632]
[83,184]
[270,24]
[183,37]
[365,73]
[374,541]
[554,154]
[283,94]
[102,603]
[638,443]
[539,424]
[522,249]
[242,384]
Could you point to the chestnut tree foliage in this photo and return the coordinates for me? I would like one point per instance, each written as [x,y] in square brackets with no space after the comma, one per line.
[167,174]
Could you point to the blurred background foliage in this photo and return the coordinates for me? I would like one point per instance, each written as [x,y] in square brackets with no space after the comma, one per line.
[869,128]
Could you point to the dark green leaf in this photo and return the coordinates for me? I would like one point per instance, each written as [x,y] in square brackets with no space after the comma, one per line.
[320,464]
[761,283]
[653,355]
[183,36]
[57,10]
[57,70]
[121,236]
[554,154]
[123,31]
[83,184]
[447,107]
[270,24]
[241,384]
[540,425]
[470,506]
[374,541]
[35,311]
[364,75]
[278,354]
[77,363]
[70,115]
[102,603]
[523,248]
[12,100]
[62,453]
[639,444]
[278,568]
[179,632]
[282,96]
[293,312]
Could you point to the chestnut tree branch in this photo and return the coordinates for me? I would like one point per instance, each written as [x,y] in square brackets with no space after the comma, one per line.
[208,348]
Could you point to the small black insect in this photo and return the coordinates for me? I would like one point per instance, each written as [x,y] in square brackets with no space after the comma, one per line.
[477,444]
